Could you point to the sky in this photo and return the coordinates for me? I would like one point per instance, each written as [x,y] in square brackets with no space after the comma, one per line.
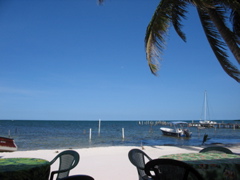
[77,60]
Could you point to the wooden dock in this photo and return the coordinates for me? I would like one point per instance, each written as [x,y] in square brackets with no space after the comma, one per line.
[195,124]
[218,125]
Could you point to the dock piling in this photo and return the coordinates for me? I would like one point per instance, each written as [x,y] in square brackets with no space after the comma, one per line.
[99,126]
[90,134]
[123,133]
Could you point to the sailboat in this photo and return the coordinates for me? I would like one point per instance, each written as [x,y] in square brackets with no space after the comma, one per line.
[205,122]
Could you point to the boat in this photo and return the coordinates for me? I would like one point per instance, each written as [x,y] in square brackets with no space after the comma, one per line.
[180,129]
[7,145]
[205,122]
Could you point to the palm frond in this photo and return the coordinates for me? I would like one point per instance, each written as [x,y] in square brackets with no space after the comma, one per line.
[178,13]
[235,19]
[229,4]
[217,45]
[201,4]
[100,2]
[234,6]
[218,17]
[156,33]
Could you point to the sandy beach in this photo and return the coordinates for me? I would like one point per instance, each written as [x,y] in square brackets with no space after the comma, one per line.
[108,163]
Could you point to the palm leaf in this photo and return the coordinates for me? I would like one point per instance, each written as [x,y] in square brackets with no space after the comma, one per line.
[218,17]
[230,4]
[217,45]
[201,3]
[234,6]
[235,17]
[156,33]
[178,13]
[100,2]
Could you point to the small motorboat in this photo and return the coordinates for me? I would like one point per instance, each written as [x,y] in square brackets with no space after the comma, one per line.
[180,129]
[7,144]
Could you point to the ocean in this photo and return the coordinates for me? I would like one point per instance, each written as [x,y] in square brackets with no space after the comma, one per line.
[35,135]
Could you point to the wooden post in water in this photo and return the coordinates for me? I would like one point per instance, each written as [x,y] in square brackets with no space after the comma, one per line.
[99,126]
[123,133]
[90,134]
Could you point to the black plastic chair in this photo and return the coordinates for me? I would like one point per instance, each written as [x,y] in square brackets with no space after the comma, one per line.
[137,158]
[170,169]
[216,149]
[78,177]
[67,160]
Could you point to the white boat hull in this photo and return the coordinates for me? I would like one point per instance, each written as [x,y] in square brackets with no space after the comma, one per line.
[175,132]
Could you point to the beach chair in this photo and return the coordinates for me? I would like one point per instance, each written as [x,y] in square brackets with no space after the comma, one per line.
[137,158]
[170,169]
[67,160]
[78,177]
[216,149]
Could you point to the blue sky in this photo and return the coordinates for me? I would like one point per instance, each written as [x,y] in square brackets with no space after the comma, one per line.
[75,60]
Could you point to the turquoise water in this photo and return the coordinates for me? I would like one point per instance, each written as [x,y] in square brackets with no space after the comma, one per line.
[33,135]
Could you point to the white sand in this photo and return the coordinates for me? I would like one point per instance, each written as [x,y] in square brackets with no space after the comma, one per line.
[108,163]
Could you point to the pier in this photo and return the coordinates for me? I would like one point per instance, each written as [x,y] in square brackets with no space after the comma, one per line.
[218,125]
[195,124]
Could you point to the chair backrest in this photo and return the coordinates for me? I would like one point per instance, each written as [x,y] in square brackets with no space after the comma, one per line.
[78,177]
[170,169]
[216,149]
[137,158]
[67,160]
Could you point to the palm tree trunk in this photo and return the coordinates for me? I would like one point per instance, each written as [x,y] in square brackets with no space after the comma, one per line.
[226,34]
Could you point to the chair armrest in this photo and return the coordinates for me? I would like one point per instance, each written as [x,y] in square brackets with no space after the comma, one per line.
[59,171]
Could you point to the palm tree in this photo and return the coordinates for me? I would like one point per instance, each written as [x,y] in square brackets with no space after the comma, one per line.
[214,16]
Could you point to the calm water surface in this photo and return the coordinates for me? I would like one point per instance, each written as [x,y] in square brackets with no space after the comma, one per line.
[33,135]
